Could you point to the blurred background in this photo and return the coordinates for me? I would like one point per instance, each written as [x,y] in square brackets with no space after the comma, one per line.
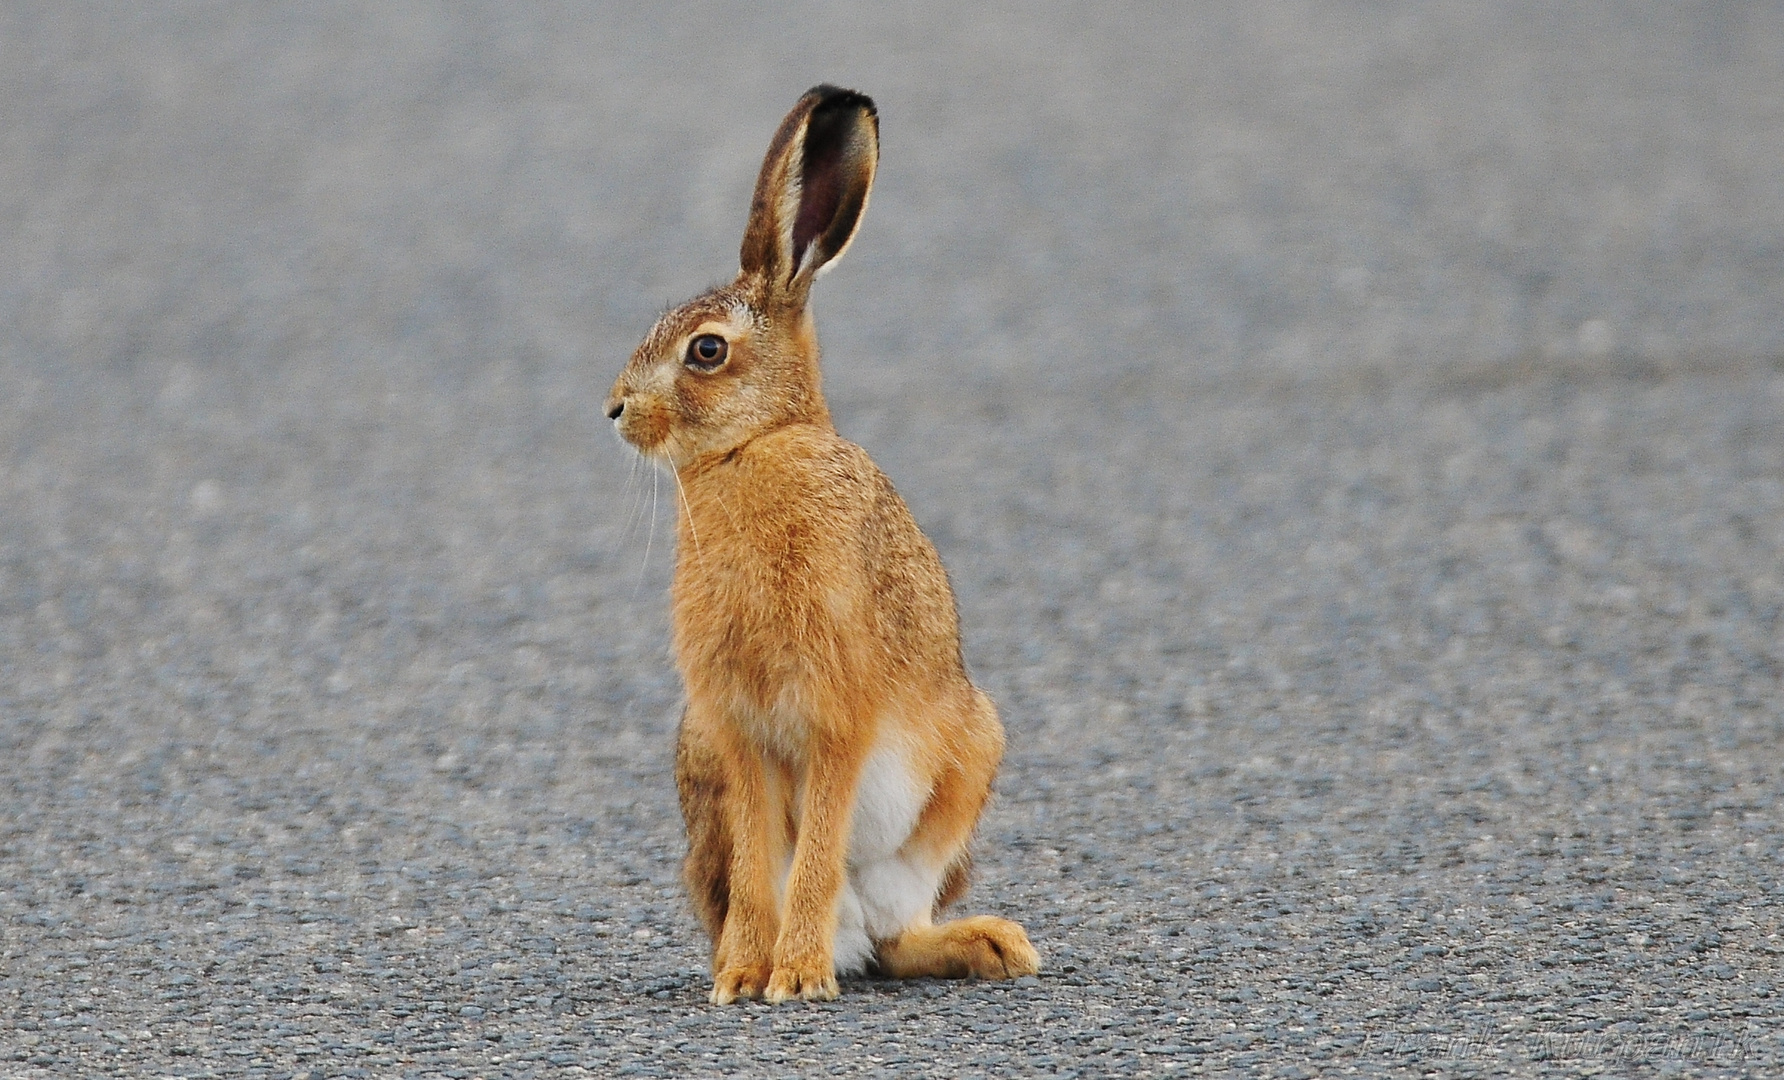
[342,283]
[1369,407]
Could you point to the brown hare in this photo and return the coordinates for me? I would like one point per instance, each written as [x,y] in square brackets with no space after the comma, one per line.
[833,757]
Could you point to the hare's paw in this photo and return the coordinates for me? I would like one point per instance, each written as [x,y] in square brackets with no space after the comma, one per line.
[994,948]
[802,982]
[733,983]
[980,947]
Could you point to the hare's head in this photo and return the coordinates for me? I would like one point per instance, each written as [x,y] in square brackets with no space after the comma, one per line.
[740,360]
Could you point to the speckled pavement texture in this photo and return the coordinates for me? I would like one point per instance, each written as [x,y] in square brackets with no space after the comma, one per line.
[1356,433]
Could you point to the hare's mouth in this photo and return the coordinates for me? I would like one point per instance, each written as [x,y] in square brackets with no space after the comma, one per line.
[641,424]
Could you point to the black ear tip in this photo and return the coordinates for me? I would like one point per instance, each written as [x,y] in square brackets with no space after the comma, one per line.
[835,98]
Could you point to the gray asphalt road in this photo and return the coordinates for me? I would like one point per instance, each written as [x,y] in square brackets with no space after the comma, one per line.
[1356,432]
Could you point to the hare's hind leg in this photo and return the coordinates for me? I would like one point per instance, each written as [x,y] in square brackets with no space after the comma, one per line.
[981,946]
[976,947]
[700,780]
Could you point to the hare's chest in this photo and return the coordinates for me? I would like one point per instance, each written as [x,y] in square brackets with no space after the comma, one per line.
[756,634]
[772,611]
[767,578]
[750,593]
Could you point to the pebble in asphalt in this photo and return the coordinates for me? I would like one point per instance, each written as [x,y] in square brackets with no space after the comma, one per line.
[1353,432]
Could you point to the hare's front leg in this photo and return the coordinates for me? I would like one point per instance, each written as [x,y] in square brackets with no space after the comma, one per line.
[804,955]
[733,831]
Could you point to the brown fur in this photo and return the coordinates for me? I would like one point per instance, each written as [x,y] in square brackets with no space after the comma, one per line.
[813,620]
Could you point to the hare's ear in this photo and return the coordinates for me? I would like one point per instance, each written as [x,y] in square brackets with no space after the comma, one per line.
[812,189]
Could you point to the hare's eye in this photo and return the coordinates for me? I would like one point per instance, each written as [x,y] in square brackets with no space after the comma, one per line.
[707,352]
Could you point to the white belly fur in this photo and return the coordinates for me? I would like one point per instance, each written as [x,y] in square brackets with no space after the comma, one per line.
[888,801]
[886,892]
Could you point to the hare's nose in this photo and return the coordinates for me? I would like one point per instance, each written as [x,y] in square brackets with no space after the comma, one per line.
[618,407]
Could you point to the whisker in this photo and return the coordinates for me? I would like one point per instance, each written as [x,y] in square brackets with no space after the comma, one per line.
[687,508]
[635,493]
[629,516]
[651,537]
